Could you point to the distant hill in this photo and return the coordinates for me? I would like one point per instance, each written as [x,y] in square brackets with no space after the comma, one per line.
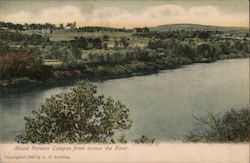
[195,27]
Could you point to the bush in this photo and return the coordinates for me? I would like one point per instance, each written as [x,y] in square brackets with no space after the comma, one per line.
[66,54]
[22,64]
[145,140]
[233,126]
[79,115]
[4,47]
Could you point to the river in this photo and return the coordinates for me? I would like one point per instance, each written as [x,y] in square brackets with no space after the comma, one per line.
[161,105]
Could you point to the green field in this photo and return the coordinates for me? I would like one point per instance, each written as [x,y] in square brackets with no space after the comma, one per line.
[59,36]
[70,35]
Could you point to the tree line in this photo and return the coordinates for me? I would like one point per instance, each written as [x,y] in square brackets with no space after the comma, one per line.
[23,39]
[211,49]
[26,26]
[39,26]
[119,57]
[179,34]
[101,29]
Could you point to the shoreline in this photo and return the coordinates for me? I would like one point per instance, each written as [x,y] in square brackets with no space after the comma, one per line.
[26,84]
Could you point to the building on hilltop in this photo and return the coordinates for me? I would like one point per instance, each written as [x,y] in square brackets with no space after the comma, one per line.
[71,25]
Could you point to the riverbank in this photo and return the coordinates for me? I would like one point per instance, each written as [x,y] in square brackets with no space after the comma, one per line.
[63,76]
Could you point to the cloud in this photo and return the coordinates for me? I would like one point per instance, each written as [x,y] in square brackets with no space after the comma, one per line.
[108,16]
[120,17]
[16,17]
[65,14]
[52,15]
[157,12]
[203,11]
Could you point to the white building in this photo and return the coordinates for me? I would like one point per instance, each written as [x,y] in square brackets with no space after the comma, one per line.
[47,30]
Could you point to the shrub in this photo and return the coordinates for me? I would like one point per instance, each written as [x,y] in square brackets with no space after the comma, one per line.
[145,140]
[4,47]
[22,64]
[233,126]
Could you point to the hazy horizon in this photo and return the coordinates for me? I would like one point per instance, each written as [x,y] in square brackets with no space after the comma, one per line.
[128,14]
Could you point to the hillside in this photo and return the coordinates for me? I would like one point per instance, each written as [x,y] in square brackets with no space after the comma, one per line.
[195,27]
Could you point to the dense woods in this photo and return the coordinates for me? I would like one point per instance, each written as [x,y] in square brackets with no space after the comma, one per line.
[22,39]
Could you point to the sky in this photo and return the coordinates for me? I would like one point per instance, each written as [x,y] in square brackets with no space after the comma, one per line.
[127,13]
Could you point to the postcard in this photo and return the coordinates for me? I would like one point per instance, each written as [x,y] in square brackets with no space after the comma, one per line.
[124,81]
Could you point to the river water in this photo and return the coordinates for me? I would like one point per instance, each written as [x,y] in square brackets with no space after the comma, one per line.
[161,105]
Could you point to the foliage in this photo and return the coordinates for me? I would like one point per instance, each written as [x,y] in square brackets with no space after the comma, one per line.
[32,26]
[116,54]
[79,115]
[115,57]
[105,38]
[61,26]
[11,25]
[145,140]
[124,42]
[196,51]
[67,54]
[208,52]
[81,42]
[22,64]
[101,29]
[87,43]
[97,43]
[3,47]
[35,52]
[233,126]
[17,37]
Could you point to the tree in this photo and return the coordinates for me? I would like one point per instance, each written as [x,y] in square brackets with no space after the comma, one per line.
[35,52]
[52,52]
[61,26]
[105,37]
[4,47]
[83,43]
[204,35]
[97,43]
[207,51]
[238,46]
[116,44]
[79,115]
[145,140]
[22,64]
[105,45]
[124,42]
[233,126]
[188,51]
[69,54]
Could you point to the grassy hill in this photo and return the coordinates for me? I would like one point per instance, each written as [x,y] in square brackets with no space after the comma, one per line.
[195,27]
